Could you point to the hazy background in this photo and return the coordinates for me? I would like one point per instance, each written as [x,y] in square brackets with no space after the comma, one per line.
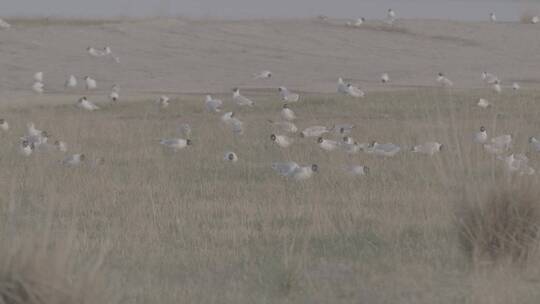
[509,10]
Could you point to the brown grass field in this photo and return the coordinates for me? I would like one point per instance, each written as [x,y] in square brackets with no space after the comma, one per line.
[150,226]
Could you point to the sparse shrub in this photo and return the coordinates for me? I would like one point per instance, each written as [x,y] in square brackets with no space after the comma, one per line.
[503,226]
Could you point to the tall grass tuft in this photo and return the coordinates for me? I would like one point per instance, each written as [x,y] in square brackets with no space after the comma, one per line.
[501,225]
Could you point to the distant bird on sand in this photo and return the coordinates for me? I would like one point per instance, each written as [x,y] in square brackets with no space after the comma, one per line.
[516,86]
[86,104]
[492,17]
[4,25]
[213,105]
[38,87]
[230,156]
[263,75]
[287,96]
[295,171]
[176,144]
[385,78]
[483,103]
[90,83]
[71,82]
[535,20]
[287,113]
[240,100]
[391,16]
[163,101]
[4,126]
[444,81]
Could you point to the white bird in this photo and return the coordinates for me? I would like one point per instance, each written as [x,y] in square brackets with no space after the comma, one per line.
[213,105]
[226,118]
[114,96]
[61,146]
[86,104]
[489,78]
[176,144]
[32,131]
[287,96]
[4,25]
[347,140]
[535,143]
[342,87]
[492,17]
[295,171]
[107,50]
[388,149]
[71,82]
[285,126]
[90,83]
[326,144]
[385,78]
[241,100]
[444,81]
[518,163]
[354,91]
[481,137]
[342,129]
[497,87]
[4,125]
[230,156]
[237,125]
[314,131]
[483,103]
[281,140]
[38,77]
[360,21]
[428,148]
[38,87]
[74,160]
[287,113]
[263,75]
[535,20]
[26,148]
[163,101]
[37,140]
[516,86]
[391,15]
[356,170]
[93,52]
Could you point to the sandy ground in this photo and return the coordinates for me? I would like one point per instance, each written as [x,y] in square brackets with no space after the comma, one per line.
[176,56]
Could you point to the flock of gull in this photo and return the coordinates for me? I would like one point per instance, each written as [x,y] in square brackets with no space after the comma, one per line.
[329,139]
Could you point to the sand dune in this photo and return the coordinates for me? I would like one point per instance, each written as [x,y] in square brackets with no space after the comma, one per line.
[197,56]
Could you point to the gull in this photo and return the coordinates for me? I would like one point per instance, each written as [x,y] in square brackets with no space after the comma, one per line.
[342,87]
[445,82]
[281,140]
[213,105]
[184,129]
[385,78]
[230,156]
[388,149]
[347,140]
[4,25]
[356,170]
[74,160]
[175,144]
[237,125]
[115,93]
[61,146]
[516,86]
[497,87]
[489,78]
[535,143]
[518,163]
[429,148]
[483,103]
[37,140]
[4,126]
[356,23]
[354,91]
[32,131]
[163,101]
[391,15]
[287,113]
[71,82]
[26,148]
[315,131]
[37,87]
[107,50]
[326,144]
[481,137]
[86,104]
[287,96]
[93,52]
[295,171]
[241,100]
[492,17]
[263,75]
[38,77]
[285,126]
[341,129]
[90,83]
[535,20]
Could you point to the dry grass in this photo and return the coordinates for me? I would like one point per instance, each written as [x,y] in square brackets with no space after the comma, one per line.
[188,227]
